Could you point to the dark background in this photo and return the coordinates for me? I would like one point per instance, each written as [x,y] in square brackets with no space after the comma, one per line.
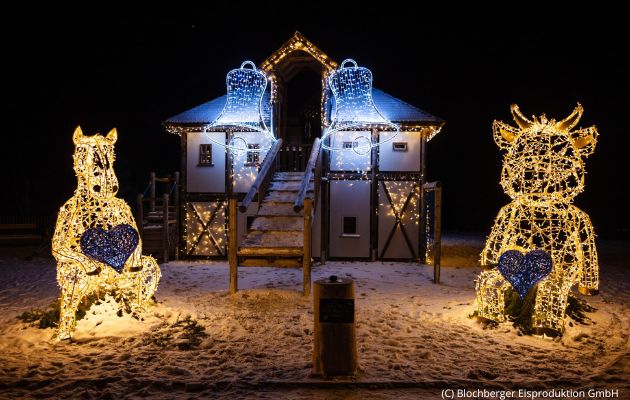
[132,74]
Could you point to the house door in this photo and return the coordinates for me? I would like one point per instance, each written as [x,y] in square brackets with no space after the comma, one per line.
[301,119]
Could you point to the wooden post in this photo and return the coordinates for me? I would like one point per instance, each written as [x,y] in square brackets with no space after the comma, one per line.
[140,216]
[152,192]
[232,245]
[324,214]
[165,238]
[422,250]
[177,216]
[229,166]
[374,198]
[437,233]
[334,333]
[306,259]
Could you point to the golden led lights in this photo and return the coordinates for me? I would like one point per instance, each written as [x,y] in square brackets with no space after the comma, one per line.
[543,171]
[96,244]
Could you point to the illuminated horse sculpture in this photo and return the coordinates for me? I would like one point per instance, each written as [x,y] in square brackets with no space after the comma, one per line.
[543,171]
[96,243]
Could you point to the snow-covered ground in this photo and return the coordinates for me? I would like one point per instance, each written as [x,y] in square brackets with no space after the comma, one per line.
[415,338]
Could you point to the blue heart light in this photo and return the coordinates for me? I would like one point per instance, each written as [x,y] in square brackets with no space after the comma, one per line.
[111,247]
[524,271]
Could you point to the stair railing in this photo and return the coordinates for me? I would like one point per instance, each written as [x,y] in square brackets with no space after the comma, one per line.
[164,201]
[265,174]
[169,201]
[309,205]
[313,167]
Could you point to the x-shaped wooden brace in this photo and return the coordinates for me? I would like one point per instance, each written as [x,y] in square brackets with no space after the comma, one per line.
[398,214]
[205,228]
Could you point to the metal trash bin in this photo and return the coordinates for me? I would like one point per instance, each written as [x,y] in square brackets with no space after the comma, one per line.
[334,339]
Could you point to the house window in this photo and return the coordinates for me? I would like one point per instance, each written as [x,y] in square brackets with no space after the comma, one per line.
[399,146]
[349,225]
[253,157]
[205,155]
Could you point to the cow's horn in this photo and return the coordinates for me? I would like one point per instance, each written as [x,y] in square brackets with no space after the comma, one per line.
[519,118]
[569,122]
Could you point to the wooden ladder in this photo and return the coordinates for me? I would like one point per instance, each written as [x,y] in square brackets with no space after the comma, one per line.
[158,223]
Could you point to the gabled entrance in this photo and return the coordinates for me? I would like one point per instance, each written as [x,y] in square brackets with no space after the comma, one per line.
[298,71]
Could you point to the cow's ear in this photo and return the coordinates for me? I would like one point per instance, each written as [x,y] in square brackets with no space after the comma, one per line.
[504,134]
[585,140]
[78,134]
[112,136]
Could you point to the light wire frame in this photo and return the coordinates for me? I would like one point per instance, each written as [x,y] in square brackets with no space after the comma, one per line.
[243,108]
[354,108]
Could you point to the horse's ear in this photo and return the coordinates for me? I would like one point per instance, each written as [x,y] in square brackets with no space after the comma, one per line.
[112,136]
[78,134]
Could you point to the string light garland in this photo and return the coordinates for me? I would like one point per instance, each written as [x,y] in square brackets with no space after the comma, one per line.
[297,43]
[543,171]
[355,110]
[205,230]
[243,110]
[96,243]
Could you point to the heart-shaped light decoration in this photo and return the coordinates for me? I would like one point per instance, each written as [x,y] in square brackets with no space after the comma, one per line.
[524,271]
[111,247]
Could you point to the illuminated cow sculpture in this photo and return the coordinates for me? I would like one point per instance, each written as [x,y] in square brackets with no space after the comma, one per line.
[96,242]
[543,171]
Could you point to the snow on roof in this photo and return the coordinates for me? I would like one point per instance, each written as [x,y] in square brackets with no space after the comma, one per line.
[209,111]
[392,108]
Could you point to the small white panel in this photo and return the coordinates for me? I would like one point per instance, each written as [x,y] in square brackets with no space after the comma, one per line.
[401,153]
[350,199]
[349,160]
[208,178]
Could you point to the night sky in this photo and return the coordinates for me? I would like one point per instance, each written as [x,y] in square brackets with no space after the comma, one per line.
[132,75]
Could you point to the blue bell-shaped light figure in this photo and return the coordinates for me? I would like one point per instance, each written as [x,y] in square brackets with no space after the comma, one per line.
[243,109]
[354,109]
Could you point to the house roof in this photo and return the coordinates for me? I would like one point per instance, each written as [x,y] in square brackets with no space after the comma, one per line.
[207,112]
[394,109]
[400,111]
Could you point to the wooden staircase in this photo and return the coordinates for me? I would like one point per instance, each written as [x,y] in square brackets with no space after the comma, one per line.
[158,223]
[153,234]
[276,236]
[280,234]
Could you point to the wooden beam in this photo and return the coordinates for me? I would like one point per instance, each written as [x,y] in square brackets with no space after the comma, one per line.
[272,262]
[374,200]
[271,251]
[306,259]
[165,238]
[177,215]
[437,233]
[232,245]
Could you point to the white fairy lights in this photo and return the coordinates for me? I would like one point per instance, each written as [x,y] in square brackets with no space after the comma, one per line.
[243,110]
[354,110]
[543,171]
